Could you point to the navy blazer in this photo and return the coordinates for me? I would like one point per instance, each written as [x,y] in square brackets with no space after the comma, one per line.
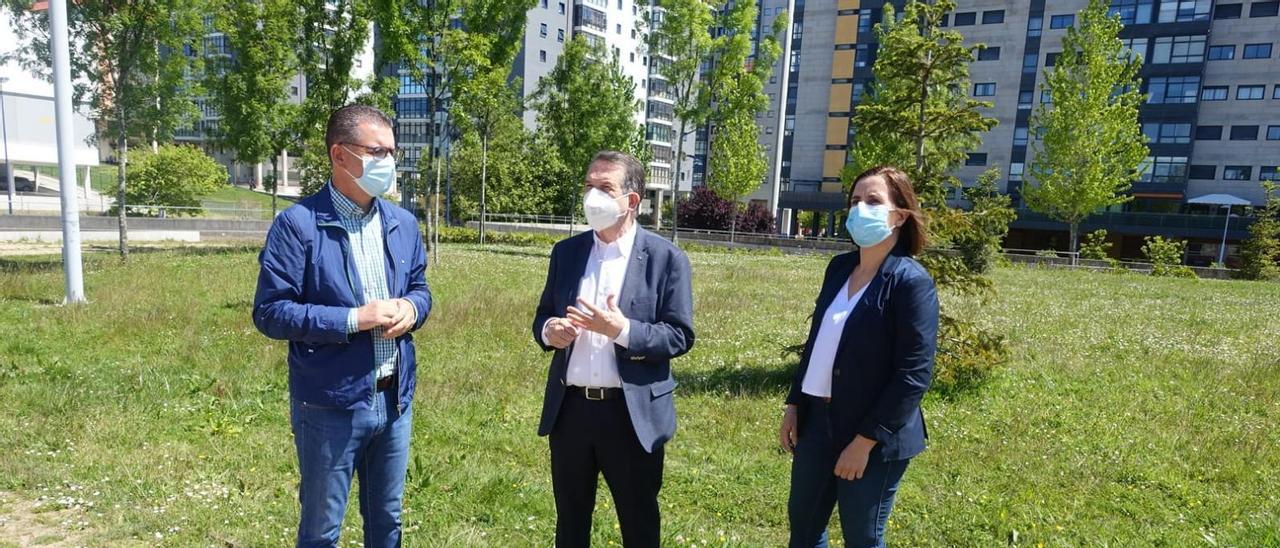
[884,361]
[657,298]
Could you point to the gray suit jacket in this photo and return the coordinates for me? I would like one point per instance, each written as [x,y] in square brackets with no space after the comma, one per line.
[657,297]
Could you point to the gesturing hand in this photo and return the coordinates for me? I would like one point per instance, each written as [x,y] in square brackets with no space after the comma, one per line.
[406,315]
[607,321]
[376,314]
[560,332]
[853,460]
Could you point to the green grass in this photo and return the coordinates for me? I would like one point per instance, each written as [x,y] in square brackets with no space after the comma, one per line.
[1136,411]
[237,197]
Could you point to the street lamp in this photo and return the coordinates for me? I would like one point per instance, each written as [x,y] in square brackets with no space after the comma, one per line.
[4,128]
[1222,250]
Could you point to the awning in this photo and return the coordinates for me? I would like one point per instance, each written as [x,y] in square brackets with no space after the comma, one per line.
[1220,199]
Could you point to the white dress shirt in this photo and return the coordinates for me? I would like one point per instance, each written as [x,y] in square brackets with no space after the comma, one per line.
[817,378]
[592,361]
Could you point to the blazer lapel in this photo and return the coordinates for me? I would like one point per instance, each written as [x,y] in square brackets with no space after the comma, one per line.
[869,298]
[578,266]
[634,280]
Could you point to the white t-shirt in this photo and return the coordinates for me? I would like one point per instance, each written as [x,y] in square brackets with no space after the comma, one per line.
[817,378]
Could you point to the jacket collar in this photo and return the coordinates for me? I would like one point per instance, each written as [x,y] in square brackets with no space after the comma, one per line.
[322,203]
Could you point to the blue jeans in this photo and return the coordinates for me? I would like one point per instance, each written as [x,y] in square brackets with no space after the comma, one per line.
[335,443]
[864,503]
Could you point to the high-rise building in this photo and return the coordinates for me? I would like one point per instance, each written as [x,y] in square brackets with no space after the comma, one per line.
[1211,71]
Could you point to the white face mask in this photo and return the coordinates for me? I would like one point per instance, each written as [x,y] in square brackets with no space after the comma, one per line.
[601,209]
[378,176]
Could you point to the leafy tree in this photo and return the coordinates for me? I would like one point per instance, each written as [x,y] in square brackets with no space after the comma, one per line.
[1260,253]
[520,173]
[483,101]
[174,176]
[1092,143]
[737,163]
[250,85]
[679,42]
[585,105]
[129,61]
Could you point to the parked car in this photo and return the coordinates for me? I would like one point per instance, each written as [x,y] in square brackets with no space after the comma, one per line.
[20,184]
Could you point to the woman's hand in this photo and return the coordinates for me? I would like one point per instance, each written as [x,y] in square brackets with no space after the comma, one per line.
[790,430]
[853,460]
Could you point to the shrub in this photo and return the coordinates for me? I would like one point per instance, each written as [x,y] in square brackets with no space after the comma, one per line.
[985,225]
[1260,253]
[1095,246]
[967,356]
[174,176]
[705,210]
[467,235]
[1165,256]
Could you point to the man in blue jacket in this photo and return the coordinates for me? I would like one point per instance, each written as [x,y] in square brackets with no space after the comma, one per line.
[343,280]
[616,309]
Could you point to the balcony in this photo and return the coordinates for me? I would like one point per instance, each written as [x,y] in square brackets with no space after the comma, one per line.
[1177,225]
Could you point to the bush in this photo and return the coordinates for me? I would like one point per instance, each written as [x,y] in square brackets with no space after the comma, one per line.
[467,235]
[967,356]
[1095,246]
[173,176]
[1165,257]
[1260,253]
[985,225]
[705,210]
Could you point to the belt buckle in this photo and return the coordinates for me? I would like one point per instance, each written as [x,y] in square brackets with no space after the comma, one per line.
[599,393]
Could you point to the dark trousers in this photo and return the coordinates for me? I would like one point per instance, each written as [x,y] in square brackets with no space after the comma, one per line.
[864,503]
[594,437]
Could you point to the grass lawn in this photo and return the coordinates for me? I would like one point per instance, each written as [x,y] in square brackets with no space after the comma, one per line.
[1136,411]
[238,197]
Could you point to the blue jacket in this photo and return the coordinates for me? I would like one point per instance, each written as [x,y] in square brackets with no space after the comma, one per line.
[657,297]
[884,361]
[308,283]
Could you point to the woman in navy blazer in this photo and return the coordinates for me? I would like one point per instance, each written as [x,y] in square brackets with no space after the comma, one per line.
[853,419]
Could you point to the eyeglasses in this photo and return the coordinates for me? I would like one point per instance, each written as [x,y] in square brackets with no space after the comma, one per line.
[376,152]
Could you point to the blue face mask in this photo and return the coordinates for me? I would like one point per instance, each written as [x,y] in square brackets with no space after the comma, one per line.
[868,224]
[378,175]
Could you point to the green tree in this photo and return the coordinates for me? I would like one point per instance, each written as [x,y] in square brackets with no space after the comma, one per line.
[249,86]
[483,101]
[679,42]
[737,163]
[175,176]
[1260,253]
[919,115]
[1092,143]
[127,66]
[584,105]
[989,218]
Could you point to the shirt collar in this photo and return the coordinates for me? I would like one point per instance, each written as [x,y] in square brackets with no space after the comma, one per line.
[345,207]
[623,244]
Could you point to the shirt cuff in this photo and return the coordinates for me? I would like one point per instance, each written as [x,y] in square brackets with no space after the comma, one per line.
[624,338]
[543,333]
[353,321]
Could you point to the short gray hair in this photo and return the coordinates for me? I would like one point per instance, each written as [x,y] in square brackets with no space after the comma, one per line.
[632,169]
[345,122]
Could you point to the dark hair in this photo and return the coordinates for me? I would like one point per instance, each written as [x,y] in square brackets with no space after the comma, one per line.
[345,122]
[903,195]
[632,169]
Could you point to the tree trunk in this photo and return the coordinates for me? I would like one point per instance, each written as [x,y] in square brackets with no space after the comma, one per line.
[733,223]
[275,182]
[1075,242]
[435,230]
[675,184]
[122,147]
[484,174]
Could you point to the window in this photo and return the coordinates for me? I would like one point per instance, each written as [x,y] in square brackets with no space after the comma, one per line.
[992,17]
[1264,9]
[1019,136]
[1164,169]
[1208,133]
[542,30]
[860,54]
[1275,92]
[1024,99]
[544,3]
[619,31]
[1029,62]
[989,54]
[1237,173]
[1170,134]
[1268,173]
[984,90]
[864,20]
[1250,93]
[858,89]
[559,35]
[1173,89]
[1222,53]
[562,8]
[1034,26]
[1257,51]
[1137,47]
[966,18]
[976,159]
[1227,11]
[542,56]
[1132,12]
[946,20]
[1273,133]
[408,85]
[1015,171]
[1051,59]
[1214,93]
[1205,172]
[1244,133]
[1045,96]
[1184,10]
[1178,49]
[1062,21]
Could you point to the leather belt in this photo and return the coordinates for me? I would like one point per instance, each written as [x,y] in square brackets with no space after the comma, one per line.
[595,393]
[386,382]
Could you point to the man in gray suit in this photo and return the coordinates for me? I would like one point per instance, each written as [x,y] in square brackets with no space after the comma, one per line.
[616,308]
